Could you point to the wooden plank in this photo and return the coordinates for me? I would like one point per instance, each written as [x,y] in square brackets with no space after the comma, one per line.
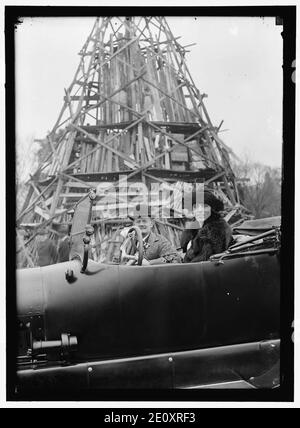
[88,159]
[179,154]
[158,164]
[77,185]
[156,143]
[178,109]
[164,89]
[82,153]
[147,148]
[179,137]
[102,160]
[118,84]
[109,161]
[172,82]
[112,76]
[25,250]
[112,94]
[107,91]
[73,195]
[117,166]
[134,39]
[153,77]
[104,164]
[38,210]
[126,144]
[182,68]
[60,151]
[93,159]
[140,143]
[122,96]
[97,160]
[36,199]
[148,134]
[123,112]
[113,161]
[64,199]
[229,191]
[168,88]
[28,197]
[101,149]
[167,95]
[148,104]
[137,150]
[127,115]
[185,114]
[181,100]
[132,99]
[85,98]
[104,144]
[167,155]
[43,200]
[122,155]
[161,131]
[48,201]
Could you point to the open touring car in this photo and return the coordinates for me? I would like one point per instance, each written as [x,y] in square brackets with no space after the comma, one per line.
[85,325]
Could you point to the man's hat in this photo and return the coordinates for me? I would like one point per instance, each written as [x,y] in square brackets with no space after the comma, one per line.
[140,210]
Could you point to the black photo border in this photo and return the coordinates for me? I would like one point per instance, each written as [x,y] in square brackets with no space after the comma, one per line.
[285,16]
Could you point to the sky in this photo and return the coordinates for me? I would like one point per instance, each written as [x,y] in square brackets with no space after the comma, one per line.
[237,62]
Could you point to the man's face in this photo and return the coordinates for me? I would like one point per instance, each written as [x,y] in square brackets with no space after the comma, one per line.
[145,224]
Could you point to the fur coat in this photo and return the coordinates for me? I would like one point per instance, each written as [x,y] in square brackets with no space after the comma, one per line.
[213,238]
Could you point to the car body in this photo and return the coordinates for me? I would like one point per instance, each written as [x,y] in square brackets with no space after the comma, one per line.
[211,324]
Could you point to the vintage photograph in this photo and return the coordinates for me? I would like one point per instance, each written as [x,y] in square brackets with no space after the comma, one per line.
[149,169]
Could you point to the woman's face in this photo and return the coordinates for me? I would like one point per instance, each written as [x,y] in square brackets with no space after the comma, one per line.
[202,212]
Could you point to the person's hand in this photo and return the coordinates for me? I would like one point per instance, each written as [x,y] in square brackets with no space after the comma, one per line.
[145,262]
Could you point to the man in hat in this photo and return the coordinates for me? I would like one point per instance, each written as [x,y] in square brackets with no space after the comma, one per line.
[157,248]
[213,237]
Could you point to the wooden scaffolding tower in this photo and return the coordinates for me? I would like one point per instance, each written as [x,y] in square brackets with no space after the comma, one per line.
[133,110]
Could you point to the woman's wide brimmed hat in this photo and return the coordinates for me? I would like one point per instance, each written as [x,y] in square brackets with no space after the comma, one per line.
[215,203]
[210,199]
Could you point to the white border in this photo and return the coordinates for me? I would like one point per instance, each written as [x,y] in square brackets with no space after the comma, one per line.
[129,404]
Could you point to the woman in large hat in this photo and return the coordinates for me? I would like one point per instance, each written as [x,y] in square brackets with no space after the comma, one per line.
[200,243]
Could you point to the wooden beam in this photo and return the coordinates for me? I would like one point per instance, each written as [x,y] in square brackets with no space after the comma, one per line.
[108,98]
[45,224]
[214,178]
[196,133]
[105,145]
[25,250]
[36,199]
[170,97]
[155,127]
[180,142]
[118,52]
